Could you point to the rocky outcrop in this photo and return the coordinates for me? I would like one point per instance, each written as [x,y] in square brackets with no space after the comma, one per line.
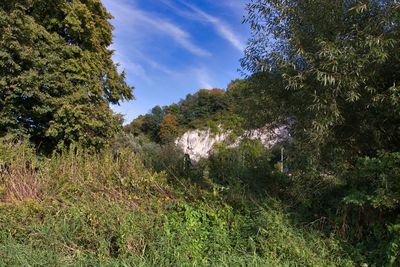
[199,144]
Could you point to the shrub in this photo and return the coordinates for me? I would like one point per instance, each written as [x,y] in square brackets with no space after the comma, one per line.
[370,209]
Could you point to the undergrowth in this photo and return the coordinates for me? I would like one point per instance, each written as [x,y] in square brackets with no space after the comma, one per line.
[80,208]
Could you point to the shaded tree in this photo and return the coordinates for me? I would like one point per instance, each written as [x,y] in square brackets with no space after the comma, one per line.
[340,68]
[259,100]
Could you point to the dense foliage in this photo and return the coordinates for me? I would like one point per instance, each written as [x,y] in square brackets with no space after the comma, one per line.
[328,69]
[236,108]
[56,74]
[79,208]
[332,69]
[338,64]
[339,61]
[164,124]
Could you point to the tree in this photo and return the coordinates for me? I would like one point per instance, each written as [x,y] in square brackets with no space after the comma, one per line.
[57,77]
[340,65]
[169,129]
[255,100]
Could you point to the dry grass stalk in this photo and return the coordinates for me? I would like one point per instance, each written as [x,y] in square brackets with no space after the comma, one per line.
[20,183]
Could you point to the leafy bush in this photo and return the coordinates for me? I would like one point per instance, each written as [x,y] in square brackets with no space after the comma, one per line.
[156,157]
[249,163]
[371,207]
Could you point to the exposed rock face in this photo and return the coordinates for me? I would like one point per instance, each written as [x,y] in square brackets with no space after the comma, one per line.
[199,144]
[269,136]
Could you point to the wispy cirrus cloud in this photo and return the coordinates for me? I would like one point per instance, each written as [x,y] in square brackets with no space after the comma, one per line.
[237,6]
[203,77]
[151,62]
[153,23]
[222,28]
[132,67]
[171,50]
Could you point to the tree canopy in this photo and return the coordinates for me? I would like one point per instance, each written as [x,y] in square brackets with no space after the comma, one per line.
[340,65]
[164,124]
[57,77]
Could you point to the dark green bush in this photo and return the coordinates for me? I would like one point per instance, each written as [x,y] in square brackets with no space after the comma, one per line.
[371,208]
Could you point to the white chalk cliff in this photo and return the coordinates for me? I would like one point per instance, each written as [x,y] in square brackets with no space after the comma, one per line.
[199,144]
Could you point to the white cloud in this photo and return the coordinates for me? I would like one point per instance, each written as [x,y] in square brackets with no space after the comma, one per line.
[203,78]
[133,68]
[237,6]
[158,66]
[150,62]
[131,16]
[221,27]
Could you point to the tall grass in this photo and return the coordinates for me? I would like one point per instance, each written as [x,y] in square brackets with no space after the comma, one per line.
[78,208]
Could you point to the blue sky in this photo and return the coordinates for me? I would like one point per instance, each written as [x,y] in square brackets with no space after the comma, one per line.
[170,48]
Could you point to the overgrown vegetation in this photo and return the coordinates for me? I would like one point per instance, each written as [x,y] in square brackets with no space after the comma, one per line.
[80,208]
[76,190]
